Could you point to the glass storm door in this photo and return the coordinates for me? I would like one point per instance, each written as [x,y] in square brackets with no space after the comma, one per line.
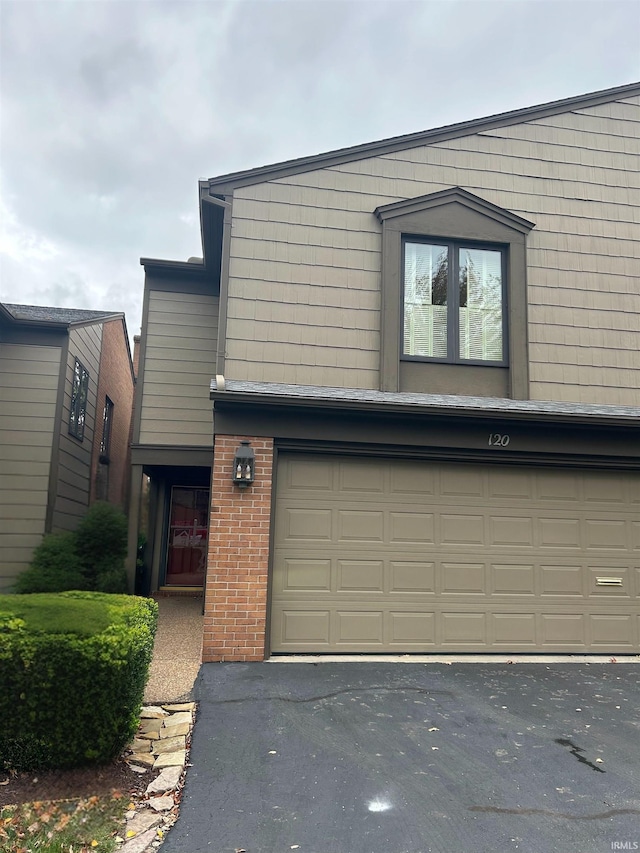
[187,552]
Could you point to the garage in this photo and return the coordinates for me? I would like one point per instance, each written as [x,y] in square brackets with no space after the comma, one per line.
[399,555]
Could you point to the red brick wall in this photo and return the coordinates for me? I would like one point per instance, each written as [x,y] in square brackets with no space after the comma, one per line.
[235,611]
[116,382]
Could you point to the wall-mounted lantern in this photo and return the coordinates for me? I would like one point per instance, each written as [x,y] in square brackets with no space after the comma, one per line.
[244,463]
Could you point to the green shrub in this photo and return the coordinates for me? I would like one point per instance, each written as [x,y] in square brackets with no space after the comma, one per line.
[73,667]
[55,567]
[113,581]
[101,545]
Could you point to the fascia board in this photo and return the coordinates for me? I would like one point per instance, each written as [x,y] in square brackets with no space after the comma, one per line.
[446,412]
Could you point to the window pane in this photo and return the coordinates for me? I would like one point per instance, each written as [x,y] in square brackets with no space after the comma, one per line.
[480,291]
[426,269]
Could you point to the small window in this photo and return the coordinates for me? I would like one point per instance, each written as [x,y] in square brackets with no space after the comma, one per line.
[107,421]
[454,298]
[78,413]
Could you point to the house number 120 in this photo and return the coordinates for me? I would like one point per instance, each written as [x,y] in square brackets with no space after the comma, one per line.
[498,440]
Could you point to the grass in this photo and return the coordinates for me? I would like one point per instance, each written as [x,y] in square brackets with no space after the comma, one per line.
[54,614]
[64,826]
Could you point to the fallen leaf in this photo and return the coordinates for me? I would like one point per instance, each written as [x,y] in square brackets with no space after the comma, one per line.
[94,843]
[130,833]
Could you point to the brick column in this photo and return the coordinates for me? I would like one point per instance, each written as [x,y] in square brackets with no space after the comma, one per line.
[235,612]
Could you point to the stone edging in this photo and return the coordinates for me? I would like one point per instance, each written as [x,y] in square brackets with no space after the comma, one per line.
[161,743]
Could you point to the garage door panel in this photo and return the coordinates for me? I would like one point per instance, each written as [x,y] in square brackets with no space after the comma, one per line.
[511,531]
[510,483]
[563,630]
[361,525]
[438,556]
[405,479]
[304,574]
[603,487]
[562,486]
[608,630]
[360,576]
[308,524]
[510,579]
[359,627]
[412,527]
[559,533]
[513,629]
[408,629]
[464,629]
[411,577]
[462,481]
[562,581]
[360,477]
[309,475]
[461,529]
[608,534]
[463,579]
[300,627]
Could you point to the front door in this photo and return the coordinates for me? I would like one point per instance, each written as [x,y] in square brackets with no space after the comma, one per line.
[187,551]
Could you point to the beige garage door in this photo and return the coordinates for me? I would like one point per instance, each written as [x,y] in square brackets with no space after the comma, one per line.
[388,555]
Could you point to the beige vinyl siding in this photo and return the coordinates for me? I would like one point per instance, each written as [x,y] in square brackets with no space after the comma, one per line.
[305,254]
[180,360]
[28,387]
[74,457]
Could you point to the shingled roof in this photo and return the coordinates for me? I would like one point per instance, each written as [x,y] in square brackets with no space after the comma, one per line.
[440,404]
[57,316]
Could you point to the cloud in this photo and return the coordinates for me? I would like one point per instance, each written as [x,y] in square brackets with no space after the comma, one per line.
[112,111]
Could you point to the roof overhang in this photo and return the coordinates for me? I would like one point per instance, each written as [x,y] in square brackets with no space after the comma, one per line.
[420,405]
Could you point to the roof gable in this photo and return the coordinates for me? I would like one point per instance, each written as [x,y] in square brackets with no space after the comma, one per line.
[228,182]
[455,195]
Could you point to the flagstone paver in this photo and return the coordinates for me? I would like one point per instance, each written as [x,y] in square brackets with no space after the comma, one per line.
[160,744]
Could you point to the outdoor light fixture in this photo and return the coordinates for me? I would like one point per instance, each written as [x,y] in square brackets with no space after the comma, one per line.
[244,465]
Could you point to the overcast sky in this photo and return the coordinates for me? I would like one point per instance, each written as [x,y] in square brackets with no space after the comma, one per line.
[111,111]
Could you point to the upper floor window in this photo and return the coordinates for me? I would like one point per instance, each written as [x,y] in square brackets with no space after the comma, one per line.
[78,413]
[454,297]
[107,421]
[453,301]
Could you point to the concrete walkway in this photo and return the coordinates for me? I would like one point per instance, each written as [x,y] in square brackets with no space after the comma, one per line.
[177,650]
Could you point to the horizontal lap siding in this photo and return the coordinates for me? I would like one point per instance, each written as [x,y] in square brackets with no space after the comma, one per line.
[304,284]
[28,387]
[74,456]
[180,363]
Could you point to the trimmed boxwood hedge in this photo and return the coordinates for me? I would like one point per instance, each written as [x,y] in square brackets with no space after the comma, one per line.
[73,667]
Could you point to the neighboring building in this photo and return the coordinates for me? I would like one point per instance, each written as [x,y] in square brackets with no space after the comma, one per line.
[432,344]
[66,396]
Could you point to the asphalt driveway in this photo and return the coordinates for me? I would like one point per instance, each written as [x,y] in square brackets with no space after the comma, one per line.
[408,758]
